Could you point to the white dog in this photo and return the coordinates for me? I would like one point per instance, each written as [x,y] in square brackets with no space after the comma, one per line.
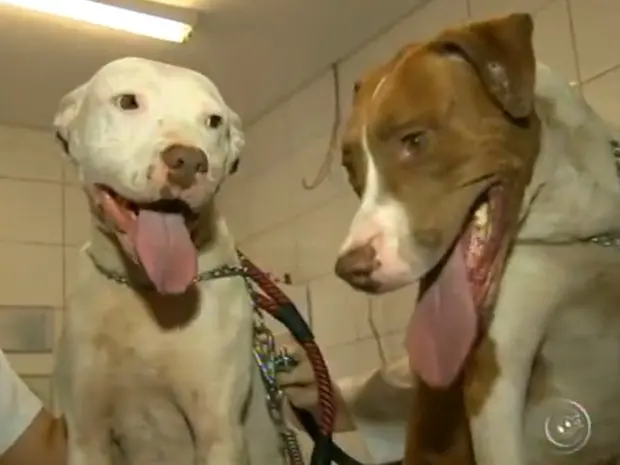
[155,365]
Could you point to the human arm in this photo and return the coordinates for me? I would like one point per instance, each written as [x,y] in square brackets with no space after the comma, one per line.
[29,435]
[376,404]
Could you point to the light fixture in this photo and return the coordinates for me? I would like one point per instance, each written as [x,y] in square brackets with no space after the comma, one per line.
[110,16]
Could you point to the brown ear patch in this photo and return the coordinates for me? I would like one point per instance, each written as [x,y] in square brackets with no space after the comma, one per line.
[502,53]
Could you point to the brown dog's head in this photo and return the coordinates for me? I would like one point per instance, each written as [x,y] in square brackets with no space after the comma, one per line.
[439,147]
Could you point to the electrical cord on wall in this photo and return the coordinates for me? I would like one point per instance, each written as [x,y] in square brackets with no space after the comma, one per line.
[376,334]
[323,173]
[325,167]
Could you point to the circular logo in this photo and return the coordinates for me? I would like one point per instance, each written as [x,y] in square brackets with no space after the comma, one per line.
[568,426]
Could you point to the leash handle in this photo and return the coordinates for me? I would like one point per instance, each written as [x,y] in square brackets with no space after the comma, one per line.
[278,304]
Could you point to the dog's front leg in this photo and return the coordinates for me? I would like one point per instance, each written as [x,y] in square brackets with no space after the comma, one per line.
[494,398]
[88,444]
[229,449]
[85,398]
[218,438]
[496,380]
[81,453]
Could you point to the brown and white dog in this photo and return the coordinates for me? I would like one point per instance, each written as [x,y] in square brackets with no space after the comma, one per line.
[483,176]
[155,365]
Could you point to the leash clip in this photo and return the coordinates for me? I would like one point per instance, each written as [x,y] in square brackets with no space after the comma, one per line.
[284,362]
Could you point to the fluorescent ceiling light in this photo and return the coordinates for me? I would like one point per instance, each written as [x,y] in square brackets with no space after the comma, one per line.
[110,16]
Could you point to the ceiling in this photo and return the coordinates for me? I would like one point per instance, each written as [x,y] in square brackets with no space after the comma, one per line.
[257,51]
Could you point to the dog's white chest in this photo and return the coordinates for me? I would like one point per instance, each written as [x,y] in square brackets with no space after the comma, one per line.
[158,377]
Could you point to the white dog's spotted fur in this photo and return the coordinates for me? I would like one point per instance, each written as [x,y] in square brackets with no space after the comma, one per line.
[135,392]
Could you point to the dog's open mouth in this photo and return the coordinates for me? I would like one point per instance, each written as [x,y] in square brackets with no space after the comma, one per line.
[158,234]
[444,325]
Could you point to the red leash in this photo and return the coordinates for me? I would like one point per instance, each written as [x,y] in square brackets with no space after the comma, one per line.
[276,303]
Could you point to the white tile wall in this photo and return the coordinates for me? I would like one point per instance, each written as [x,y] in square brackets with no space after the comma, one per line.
[32,235]
[29,154]
[31,212]
[27,329]
[595,25]
[600,92]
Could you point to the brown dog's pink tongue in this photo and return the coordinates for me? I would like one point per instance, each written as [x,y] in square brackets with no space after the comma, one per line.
[166,251]
[442,328]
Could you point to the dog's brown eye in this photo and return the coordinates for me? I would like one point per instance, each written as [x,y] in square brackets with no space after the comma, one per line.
[214,121]
[414,142]
[127,102]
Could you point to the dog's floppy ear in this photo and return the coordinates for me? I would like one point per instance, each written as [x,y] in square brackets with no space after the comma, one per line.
[236,140]
[68,109]
[502,53]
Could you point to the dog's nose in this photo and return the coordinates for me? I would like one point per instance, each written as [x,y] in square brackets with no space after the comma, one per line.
[357,265]
[184,163]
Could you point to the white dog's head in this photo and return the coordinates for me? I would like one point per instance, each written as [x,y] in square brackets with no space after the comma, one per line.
[152,143]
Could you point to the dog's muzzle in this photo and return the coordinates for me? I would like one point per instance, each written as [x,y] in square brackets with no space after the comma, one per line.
[183,164]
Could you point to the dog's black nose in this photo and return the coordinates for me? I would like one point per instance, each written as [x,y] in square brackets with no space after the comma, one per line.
[184,163]
[357,265]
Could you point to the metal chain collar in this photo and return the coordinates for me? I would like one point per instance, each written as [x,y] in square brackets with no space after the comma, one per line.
[224,271]
[270,362]
[606,240]
[610,240]
[615,151]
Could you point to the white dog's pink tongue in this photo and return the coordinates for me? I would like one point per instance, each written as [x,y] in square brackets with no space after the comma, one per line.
[166,251]
[443,326]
